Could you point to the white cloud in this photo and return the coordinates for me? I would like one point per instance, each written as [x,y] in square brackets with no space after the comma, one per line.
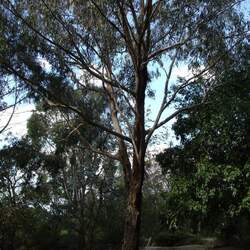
[44,63]
[19,120]
[181,71]
[90,80]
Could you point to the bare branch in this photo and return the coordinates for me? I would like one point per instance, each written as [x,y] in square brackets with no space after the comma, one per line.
[173,115]
[162,107]
[168,48]
[132,9]
[107,19]
[78,59]
[89,146]
[148,16]
[90,122]
[12,113]
[61,104]
[122,147]
[201,73]
[14,104]
[128,32]
[194,29]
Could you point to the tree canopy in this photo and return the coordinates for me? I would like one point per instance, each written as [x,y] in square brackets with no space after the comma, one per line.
[209,170]
[98,61]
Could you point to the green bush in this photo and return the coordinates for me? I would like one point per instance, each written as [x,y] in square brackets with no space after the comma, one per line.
[175,239]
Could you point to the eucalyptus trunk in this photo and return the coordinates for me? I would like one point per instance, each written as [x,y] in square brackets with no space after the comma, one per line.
[134,196]
[133,213]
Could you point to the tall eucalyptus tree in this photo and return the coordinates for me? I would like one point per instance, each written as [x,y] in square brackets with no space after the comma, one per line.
[115,49]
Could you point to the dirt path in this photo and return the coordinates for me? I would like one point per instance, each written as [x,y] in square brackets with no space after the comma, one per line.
[189,247]
[228,248]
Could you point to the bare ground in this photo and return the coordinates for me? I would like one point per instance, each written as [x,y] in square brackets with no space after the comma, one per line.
[189,247]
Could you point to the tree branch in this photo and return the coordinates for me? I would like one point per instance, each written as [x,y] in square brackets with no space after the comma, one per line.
[173,115]
[61,104]
[162,107]
[89,146]
[12,113]
[107,19]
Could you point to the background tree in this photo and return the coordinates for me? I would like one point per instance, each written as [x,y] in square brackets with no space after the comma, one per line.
[208,171]
[84,178]
[54,192]
[15,161]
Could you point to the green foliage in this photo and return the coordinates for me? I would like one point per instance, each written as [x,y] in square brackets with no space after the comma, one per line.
[175,239]
[209,171]
[65,192]
[38,205]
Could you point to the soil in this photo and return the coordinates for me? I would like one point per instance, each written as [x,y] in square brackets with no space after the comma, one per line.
[190,247]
